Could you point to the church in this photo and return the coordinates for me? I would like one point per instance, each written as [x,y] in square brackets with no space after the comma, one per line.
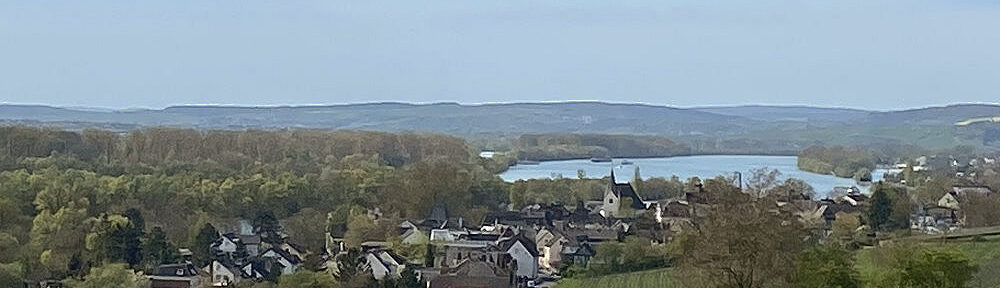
[621,199]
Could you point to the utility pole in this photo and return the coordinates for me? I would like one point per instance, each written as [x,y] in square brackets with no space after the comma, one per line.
[739,179]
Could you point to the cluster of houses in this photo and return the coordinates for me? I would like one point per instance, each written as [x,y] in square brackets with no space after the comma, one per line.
[237,257]
[522,248]
[946,214]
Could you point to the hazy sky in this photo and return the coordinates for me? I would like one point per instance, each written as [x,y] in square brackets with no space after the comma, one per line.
[867,53]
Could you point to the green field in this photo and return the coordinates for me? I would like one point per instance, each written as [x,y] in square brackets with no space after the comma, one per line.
[659,278]
[869,265]
[986,254]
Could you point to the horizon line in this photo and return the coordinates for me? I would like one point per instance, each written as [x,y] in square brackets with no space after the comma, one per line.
[475,104]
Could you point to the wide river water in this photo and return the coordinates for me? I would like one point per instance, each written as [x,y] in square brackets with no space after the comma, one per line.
[706,166]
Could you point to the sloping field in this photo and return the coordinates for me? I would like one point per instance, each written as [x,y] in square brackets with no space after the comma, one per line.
[659,278]
[984,253]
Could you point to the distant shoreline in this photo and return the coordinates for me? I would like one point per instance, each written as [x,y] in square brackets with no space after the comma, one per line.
[665,156]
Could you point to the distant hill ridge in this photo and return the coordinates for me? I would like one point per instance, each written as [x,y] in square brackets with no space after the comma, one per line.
[498,118]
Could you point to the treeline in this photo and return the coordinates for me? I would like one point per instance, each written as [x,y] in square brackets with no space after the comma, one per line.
[573,146]
[66,198]
[236,150]
[838,160]
[575,190]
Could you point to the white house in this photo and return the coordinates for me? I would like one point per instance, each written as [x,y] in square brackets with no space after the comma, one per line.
[222,274]
[253,270]
[550,246]
[287,261]
[384,263]
[525,252]
[226,243]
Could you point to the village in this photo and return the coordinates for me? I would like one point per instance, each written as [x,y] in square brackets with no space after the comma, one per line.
[536,245]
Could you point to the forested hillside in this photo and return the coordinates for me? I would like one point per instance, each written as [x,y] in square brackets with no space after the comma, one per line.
[67,198]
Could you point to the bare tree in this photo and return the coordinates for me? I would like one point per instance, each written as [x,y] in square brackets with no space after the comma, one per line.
[762,181]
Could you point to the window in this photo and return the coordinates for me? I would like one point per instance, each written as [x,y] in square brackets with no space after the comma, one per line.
[611,201]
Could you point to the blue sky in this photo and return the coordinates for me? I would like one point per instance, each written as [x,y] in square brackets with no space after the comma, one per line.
[868,54]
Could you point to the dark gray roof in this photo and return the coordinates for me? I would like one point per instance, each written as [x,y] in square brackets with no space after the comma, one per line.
[528,244]
[623,190]
[176,270]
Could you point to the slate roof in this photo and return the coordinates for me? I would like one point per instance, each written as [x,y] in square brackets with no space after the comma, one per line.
[529,244]
[284,254]
[962,191]
[258,266]
[623,190]
[176,270]
[472,273]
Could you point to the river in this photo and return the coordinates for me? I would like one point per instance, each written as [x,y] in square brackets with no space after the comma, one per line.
[706,166]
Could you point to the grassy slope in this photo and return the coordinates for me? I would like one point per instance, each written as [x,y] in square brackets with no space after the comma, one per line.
[659,278]
[985,254]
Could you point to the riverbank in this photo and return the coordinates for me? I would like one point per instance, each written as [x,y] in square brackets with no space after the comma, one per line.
[661,156]
[702,166]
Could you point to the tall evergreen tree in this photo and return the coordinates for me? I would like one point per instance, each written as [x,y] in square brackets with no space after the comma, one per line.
[267,226]
[202,249]
[881,208]
[157,249]
[131,237]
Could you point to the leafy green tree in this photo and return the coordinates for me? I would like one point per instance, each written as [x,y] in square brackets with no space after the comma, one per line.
[60,237]
[930,191]
[662,188]
[607,259]
[308,227]
[349,265]
[361,228]
[937,268]
[844,230]
[111,276]
[826,267]
[12,275]
[111,239]
[981,210]
[408,278]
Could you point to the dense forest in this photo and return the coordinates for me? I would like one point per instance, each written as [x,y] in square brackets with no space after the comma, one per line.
[70,200]
[574,146]
[838,160]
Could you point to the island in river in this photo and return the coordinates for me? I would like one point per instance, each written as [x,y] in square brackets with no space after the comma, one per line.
[705,166]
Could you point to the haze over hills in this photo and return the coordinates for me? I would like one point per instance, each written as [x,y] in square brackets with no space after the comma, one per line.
[790,127]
